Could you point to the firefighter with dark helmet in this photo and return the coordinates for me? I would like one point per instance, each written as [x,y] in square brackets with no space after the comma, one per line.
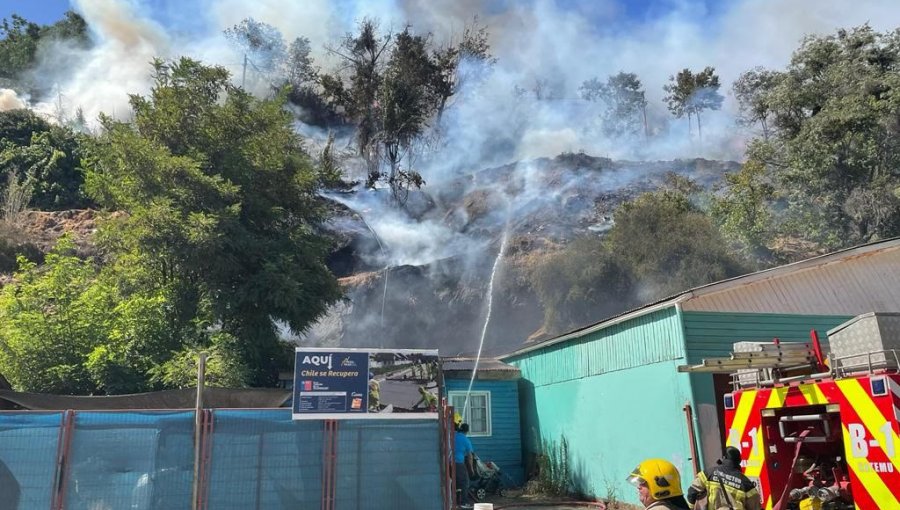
[658,484]
[725,486]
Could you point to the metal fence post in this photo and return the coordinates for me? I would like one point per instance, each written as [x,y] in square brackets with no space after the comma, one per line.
[198,429]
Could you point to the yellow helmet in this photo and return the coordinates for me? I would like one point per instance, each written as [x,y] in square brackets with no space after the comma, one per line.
[457,419]
[660,476]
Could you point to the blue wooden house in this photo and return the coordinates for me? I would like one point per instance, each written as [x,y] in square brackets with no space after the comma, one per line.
[492,411]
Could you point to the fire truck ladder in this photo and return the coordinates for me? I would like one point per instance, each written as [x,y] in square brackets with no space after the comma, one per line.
[767,363]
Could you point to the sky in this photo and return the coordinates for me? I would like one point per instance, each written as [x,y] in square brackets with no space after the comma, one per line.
[39,11]
[560,43]
[174,13]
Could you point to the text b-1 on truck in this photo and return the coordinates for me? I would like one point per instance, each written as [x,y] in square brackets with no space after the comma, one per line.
[817,433]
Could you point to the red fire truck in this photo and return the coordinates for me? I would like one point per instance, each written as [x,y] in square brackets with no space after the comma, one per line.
[819,433]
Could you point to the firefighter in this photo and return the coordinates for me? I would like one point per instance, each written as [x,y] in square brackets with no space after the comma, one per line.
[374,393]
[428,399]
[659,485]
[725,486]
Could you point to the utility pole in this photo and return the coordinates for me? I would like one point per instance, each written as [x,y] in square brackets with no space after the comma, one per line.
[198,423]
[244,73]
[59,109]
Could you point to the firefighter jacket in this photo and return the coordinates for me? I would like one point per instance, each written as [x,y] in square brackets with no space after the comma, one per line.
[726,489]
[668,504]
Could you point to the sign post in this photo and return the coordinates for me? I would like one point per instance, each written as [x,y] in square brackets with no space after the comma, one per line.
[366,383]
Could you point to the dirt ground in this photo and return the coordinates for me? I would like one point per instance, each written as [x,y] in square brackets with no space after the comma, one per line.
[516,500]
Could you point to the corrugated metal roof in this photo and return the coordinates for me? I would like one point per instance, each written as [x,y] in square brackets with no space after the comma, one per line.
[851,285]
[871,281]
[484,365]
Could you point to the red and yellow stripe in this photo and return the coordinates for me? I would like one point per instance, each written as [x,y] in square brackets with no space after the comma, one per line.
[872,489]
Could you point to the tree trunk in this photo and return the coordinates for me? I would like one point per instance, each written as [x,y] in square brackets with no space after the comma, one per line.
[699,128]
[646,126]
[440,110]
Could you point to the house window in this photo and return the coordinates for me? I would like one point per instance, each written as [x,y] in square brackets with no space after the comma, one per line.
[478,412]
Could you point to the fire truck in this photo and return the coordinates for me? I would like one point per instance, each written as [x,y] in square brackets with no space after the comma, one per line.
[817,431]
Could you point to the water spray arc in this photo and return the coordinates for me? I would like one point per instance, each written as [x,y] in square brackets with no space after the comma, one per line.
[487,320]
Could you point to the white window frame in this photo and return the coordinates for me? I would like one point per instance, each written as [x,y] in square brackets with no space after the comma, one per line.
[487,399]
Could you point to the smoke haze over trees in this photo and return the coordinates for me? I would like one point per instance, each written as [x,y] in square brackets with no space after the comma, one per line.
[380,155]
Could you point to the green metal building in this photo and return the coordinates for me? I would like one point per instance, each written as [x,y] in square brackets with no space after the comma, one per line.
[612,390]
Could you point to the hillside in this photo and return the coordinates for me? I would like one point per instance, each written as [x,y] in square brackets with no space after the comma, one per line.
[439,250]
[437,268]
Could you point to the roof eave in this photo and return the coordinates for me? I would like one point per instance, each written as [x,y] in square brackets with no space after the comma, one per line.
[600,325]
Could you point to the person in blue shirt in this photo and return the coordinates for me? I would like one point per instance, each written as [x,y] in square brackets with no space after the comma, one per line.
[465,464]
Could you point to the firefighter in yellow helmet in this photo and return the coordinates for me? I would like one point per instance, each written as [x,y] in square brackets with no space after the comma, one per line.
[724,486]
[659,485]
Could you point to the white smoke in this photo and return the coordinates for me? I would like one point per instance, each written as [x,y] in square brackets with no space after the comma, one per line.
[405,240]
[99,80]
[9,100]
[533,40]
[559,44]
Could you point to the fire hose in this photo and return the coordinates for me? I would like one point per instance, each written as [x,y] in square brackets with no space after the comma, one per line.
[785,495]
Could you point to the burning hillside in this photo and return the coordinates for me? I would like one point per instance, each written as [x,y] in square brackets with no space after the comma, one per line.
[418,276]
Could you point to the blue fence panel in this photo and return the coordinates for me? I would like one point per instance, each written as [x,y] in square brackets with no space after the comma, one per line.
[28,448]
[131,460]
[388,464]
[262,459]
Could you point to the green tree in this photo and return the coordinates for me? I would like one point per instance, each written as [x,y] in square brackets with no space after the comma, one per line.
[300,71]
[750,89]
[269,60]
[458,65]
[355,89]
[580,284]
[50,324]
[72,29]
[224,368]
[406,104]
[20,41]
[18,45]
[393,88]
[744,208]
[670,245]
[47,158]
[263,49]
[624,103]
[65,329]
[660,244]
[689,93]
[17,126]
[834,145]
[71,326]
[221,208]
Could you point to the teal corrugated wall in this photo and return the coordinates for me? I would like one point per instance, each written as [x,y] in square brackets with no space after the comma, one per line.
[615,396]
[650,338]
[504,446]
[713,334]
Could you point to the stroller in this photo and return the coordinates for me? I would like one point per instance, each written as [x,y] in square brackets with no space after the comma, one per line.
[489,480]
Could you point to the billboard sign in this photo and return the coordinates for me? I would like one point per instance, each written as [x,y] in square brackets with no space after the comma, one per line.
[365,383]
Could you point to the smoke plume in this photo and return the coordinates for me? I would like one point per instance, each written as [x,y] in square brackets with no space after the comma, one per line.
[435,252]
[9,100]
